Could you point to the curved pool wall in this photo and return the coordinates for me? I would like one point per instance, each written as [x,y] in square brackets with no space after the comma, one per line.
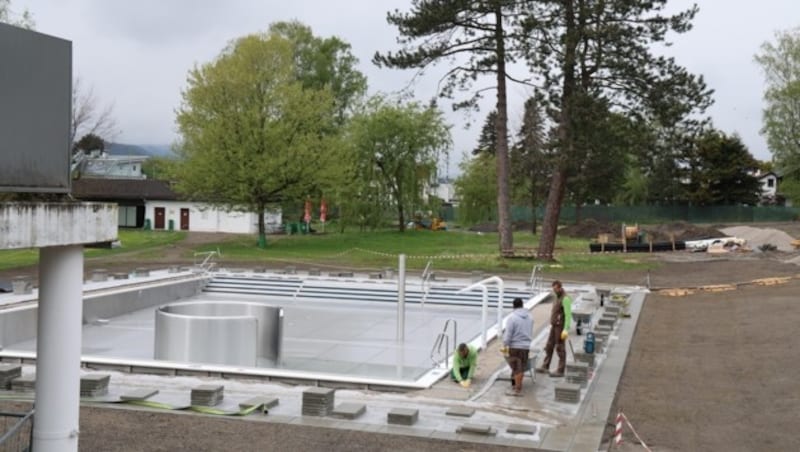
[112,311]
[231,333]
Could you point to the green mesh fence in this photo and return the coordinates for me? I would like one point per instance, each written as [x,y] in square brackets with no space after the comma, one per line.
[659,214]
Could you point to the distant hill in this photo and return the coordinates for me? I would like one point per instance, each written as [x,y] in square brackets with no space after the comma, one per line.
[152,150]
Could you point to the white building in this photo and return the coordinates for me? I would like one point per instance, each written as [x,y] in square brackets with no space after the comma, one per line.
[769,184]
[202,217]
[444,189]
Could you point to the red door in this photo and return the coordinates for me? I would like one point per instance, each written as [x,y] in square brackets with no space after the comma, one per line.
[184,219]
[159,218]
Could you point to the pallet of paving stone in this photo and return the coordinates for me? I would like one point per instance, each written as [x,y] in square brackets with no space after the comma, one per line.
[578,368]
[318,401]
[587,358]
[9,372]
[349,410]
[402,416]
[25,383]
[94,385]
[577,379]
[568,392]
[207,395]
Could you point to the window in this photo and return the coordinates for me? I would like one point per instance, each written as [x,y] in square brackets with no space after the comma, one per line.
[770,182]
[127,216]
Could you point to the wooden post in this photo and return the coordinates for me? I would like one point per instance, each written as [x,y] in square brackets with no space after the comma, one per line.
[624,240]
[650,240]
[672,239]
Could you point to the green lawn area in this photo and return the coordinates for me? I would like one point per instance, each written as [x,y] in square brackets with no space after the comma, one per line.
[449,250]
[131,240]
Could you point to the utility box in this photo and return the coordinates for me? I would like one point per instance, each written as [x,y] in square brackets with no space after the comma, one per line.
[35,111]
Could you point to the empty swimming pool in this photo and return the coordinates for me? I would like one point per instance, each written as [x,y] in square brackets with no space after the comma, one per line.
[333,329]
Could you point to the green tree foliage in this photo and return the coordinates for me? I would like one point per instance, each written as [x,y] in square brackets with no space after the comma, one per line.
[90,142]
[324,63]
[722,172]
[252,135]
[396,148]
[9,16]
[601,49]
[487,140]
[476,188]
[530,160]
[781,123]
[477,38]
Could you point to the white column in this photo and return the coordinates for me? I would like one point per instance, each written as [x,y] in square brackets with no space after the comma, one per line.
[401,298]
[58,349]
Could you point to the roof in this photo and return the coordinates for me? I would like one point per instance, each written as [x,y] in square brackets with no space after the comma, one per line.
[767,174]
[122,189]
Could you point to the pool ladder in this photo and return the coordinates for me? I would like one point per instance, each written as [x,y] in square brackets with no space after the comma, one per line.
[443,339]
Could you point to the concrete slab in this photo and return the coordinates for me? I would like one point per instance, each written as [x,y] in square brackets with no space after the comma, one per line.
[521,429]
[349,410]
[402,416]
[460,411]
[138,394]
[40,224]
[266,402]
[477,429]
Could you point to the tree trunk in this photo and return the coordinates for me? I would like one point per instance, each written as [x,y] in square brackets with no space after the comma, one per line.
[401,216]
[534,202]
[262,229]
[501,129]
[547,242]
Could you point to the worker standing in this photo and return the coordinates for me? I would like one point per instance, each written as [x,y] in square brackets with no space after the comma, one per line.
[560,321]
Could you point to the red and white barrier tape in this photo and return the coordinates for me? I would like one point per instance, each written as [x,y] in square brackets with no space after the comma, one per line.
[618,431]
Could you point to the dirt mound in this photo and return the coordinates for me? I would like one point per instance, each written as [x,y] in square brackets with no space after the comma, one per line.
[757,237]
[589,229]
[681,231]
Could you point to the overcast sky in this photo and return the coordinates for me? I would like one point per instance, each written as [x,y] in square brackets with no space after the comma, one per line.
[136,54]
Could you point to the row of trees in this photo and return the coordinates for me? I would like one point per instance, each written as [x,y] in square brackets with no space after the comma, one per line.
[623,164]
[591,65]
[281,116]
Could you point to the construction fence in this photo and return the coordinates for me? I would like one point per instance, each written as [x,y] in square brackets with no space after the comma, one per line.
[649,214]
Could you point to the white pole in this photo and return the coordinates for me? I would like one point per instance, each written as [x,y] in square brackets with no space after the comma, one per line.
[500,299]
[484,315]
[401,298]
[58,349]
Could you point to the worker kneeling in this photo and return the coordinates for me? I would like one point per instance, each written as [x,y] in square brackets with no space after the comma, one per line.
[465,360]
[517,343]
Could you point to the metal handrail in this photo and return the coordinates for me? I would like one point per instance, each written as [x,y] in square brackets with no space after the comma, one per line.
[535,279]
[206,264]
[13,431]
[443,338]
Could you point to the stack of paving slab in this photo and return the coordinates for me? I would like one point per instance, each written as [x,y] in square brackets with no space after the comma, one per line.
[587,358]
[94,385]
[207,395]
[578,373]
[25,383]
[568,392]
[318,401]
[8,372]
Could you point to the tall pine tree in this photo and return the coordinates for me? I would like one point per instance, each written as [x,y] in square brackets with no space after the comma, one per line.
[479,38]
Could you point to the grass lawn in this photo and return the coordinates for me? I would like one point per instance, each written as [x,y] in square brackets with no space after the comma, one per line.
[449,250]
[131,240]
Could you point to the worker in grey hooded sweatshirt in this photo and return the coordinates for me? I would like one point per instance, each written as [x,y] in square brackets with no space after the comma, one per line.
[516,343]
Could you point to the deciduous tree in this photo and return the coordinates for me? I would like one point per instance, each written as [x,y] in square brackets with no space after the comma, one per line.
[397,147]
[251,134]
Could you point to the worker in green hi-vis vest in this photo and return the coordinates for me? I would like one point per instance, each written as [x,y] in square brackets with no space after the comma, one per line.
[465,360]
[560,321]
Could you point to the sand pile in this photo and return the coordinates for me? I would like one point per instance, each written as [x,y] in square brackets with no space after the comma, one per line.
[589,229]
[761,236]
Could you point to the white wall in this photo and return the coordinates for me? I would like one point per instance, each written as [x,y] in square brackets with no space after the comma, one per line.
[207,218]
[766,190]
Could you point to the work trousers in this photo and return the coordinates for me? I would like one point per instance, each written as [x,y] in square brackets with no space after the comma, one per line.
[554,341]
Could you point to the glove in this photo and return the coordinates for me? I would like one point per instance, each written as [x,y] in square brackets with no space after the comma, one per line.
[464,384]
[504,351]
[564,335]
[468,383]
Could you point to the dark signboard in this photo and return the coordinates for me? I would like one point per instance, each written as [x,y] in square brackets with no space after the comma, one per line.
[35,111]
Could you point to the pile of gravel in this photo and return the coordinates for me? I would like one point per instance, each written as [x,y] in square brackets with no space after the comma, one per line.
[757,237]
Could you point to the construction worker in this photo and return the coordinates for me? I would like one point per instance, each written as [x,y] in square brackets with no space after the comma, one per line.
[560,321]
[517,344]
[465,360]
